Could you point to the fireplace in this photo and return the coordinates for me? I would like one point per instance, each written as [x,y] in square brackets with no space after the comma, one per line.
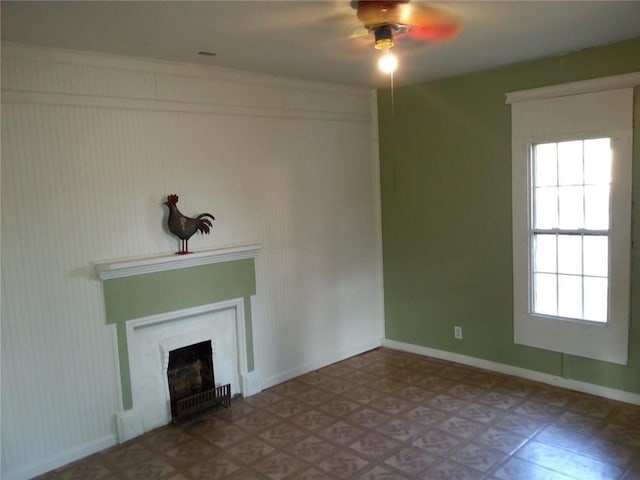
[161,304]
[191,380]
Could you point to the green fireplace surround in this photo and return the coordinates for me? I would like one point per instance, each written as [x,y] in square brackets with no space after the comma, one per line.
[148,286]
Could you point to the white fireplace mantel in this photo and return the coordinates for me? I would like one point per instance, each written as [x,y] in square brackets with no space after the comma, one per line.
[159,263]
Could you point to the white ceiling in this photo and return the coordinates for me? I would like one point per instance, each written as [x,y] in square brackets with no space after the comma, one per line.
[311,39]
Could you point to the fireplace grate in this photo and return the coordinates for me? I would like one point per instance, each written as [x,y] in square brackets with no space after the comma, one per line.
[216,397]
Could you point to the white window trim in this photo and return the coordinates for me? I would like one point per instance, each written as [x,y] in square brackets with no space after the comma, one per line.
[554,114]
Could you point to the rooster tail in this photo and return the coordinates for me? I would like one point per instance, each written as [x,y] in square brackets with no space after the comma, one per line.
[204,224]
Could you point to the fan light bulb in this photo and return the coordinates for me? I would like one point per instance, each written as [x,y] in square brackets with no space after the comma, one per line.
[388,62]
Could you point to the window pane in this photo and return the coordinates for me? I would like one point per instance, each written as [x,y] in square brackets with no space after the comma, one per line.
[570,254]
[597,161]
[569,296]
[571,203]
[544,253]
[570,163]
[596,205]
[571,192]
[546,167]
[545,294]
[546,207]
[595,299]
[596,256]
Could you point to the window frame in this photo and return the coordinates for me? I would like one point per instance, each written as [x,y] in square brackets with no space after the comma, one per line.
[555,114]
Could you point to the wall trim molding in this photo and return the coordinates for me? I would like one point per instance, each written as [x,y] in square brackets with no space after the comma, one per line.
[129,267]
[626,80]
[33,53]
[584,387]
[172,87]
[129,103]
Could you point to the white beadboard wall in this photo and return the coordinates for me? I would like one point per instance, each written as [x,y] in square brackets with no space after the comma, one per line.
[91,145]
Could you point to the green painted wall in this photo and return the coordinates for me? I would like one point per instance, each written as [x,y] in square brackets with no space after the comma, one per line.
[445,158]
[149,294]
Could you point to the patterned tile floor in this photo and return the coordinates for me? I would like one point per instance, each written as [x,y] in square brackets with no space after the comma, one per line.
[389,415]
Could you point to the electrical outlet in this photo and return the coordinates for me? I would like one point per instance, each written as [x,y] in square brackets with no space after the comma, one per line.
[457,333]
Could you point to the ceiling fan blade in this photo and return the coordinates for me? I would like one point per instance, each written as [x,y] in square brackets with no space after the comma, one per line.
[434,33]
[359,33]
[418,15]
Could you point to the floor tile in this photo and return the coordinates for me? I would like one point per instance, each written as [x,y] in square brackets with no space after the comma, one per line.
[478,457]
[624,433]
[286,408]
[210,469]
[339,406]
[447,403]
[567,462]
[314,474]
[537,410]
[363,394]
[313,419]
[479,413]
[465,392]
[381,473]
[449,470]
[128,454]
[283,433]
[411,460]
[375,445]
[392,405]
[311,449]
[501,440]
[499,400]
[401,429]
[519,424]
[578,422]
[461,427]
[188,453]
[91,469]
[435,384]
[368,417]
[223,435]
[388,415]
[279,465]
[515,468]
[256,422]
[424,415]
[438,443]
[250,450]
[343,464]
[341,432]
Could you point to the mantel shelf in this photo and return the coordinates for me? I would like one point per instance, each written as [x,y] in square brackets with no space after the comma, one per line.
[159,263]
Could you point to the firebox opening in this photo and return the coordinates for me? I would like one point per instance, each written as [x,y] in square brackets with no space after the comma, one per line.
[190,372]
[191,382]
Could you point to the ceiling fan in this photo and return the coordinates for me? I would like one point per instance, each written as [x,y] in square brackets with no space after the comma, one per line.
[387,19]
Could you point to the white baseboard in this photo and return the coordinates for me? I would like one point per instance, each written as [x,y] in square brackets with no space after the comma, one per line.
[319,362]
[61,459]
[567,383]
[251,383]
[129,425]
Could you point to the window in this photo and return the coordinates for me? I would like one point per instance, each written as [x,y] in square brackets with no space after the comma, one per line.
[571,185]
[570,228]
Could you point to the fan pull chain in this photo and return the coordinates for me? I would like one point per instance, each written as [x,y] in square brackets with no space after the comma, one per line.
[393,137]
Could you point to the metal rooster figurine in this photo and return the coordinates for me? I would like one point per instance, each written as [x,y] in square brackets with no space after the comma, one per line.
[184,227]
